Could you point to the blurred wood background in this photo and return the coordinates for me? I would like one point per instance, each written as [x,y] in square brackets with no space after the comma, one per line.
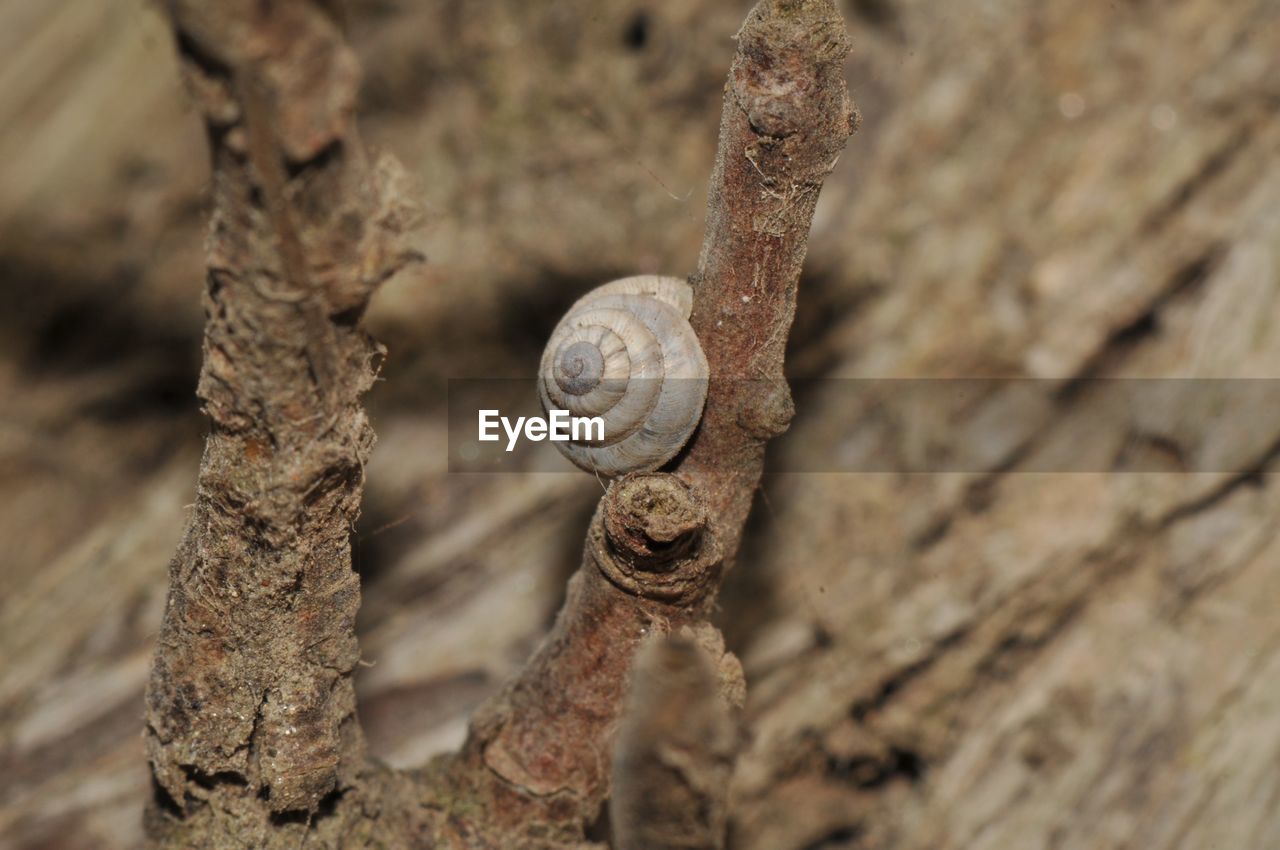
[1058,189]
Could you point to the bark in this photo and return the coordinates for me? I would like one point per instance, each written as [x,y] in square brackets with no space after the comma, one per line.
[539,753]
[991,662]
[252,731]
[251,723]
[674,753]
[786,118]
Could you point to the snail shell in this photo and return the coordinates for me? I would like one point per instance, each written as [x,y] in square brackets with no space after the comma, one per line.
[625,352]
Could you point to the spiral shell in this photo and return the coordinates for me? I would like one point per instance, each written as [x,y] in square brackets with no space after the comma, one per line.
[625,352]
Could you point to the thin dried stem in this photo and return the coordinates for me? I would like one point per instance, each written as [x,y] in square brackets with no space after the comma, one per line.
[540,752]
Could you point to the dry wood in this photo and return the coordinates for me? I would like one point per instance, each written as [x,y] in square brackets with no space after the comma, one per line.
[935,661]
[540,751]
[252,732]
[675,751]
[251,725]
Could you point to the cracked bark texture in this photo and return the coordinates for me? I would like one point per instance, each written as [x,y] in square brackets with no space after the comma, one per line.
[1053,188]
[251,719]
[251,708]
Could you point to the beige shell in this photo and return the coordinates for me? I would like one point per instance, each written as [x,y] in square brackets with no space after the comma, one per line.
[625,352]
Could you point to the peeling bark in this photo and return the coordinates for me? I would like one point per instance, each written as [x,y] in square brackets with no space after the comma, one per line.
[988,662]
[251,722]
[251,710]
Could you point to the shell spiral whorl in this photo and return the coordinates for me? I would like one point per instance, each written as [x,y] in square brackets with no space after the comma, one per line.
[625,352]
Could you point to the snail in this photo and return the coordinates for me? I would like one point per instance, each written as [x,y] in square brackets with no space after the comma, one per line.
[625,352]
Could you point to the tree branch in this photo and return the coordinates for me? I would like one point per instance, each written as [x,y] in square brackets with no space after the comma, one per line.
[539,753]
[251,719]
[674,754]
[786,118]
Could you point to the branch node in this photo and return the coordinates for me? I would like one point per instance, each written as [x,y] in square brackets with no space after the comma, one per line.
[767,409]
[652,539]
[652,520]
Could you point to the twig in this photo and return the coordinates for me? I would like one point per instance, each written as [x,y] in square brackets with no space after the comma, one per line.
[674,753]
[786,118]
[537,760]
[250,708]
[251,718]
